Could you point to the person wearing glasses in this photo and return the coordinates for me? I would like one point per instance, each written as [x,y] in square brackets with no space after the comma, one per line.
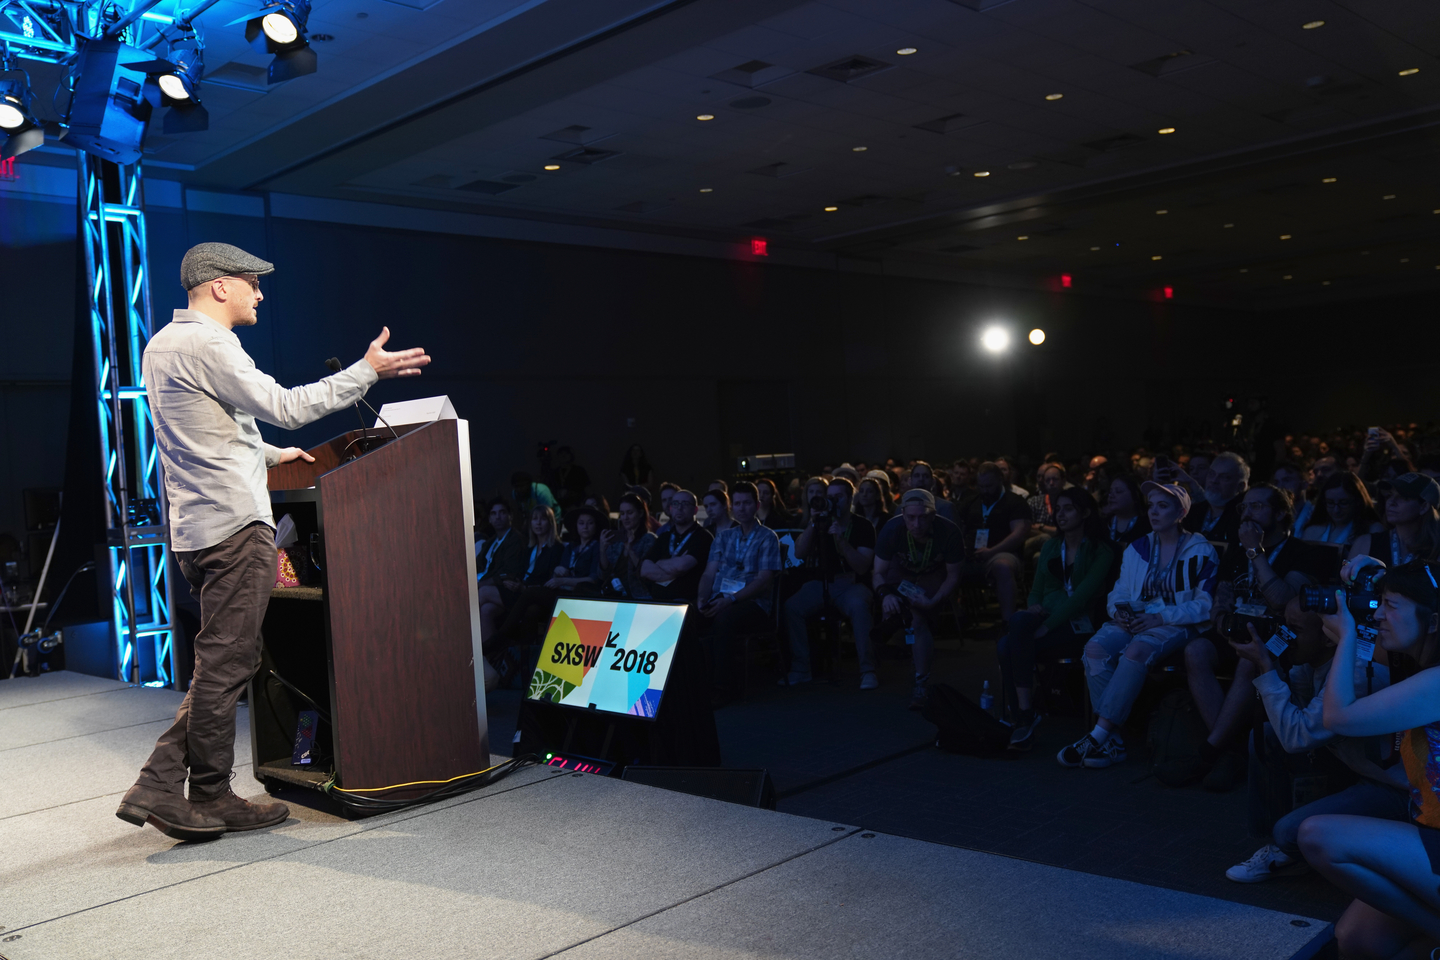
[205,396]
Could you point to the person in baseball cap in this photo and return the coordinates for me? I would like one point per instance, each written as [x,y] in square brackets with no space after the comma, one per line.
[925,498]
[1416,486]
[1173,490]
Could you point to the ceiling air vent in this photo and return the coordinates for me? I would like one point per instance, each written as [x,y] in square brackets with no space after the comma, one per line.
[955,121]
[492,187]
[576,134]
[851,68]
[1171,63]
[1117,142]
[518,177]
[753,73]
[439,181]
[586,155]
[778,170]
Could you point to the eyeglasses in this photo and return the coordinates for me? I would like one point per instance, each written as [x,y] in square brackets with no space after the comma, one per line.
[254,284]
[1342,502]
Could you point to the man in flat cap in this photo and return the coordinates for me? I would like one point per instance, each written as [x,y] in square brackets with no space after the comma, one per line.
[205,395]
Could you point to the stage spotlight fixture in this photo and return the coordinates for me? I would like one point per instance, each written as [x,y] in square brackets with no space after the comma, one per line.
[109,104]
[21,130]
[1037,336]
[178,81]
[995,339]
[280,29]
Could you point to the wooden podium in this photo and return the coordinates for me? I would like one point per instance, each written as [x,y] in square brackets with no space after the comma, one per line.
[387,648]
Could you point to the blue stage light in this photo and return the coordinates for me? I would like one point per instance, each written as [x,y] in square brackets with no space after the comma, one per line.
[279,28]
[17,121]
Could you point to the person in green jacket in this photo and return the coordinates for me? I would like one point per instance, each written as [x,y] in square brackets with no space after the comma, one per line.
[1070,582]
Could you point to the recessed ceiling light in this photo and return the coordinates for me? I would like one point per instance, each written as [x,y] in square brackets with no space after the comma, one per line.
[706,116]
[1388,196]
[831,209]
[1023,236]
[1229,225]
[1094,248]
[1409,71]
[1159,212]
[707,189]
[1284,236]
[1364,253]
[906,51]
[982,173]
[1324,283]
[1156,257]
[1287,277]
[1328,180]
[1053,96]
[1164,130]
[1244,269]
[859,149]
[552,166]
[1313,24]
[1404,259]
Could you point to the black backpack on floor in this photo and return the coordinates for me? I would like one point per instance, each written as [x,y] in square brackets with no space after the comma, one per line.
[963,727]
[1174,737]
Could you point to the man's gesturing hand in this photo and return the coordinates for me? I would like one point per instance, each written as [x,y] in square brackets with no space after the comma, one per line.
[402,363]
[295,453]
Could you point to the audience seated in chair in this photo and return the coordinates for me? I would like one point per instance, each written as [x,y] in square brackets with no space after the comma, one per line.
[838,553]
[717,511]
[1051,477]
[735,590]
[996,524]
[677,558]
[872,501]
[1124,511]
[1065,602]
[579,568]
[622,550]
[772,512]
[918,563]
[1410,516]
[502,569]
[1160,602]
[1343,511]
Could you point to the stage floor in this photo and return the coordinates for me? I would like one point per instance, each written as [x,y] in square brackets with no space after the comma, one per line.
[542,864]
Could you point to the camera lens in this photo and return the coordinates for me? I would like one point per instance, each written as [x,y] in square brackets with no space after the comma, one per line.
[1318,600]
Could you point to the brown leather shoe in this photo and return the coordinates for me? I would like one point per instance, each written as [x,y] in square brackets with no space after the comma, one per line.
[170,813]
[238,814]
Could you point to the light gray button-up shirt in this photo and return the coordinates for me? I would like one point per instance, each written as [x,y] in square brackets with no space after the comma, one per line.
[205,395]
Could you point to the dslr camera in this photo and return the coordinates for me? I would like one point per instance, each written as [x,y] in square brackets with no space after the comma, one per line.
[1361,597]
[1248,611]
[820,510]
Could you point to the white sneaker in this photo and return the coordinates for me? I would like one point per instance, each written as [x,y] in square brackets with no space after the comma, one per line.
[868,681]
[1268,862]
[1111,751]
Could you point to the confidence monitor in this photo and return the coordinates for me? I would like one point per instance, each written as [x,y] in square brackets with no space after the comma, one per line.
[608,656]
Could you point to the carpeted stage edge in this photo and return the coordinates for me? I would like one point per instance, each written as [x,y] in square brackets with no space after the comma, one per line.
[543,864]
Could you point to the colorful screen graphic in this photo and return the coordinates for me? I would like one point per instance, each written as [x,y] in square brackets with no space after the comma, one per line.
[608,654]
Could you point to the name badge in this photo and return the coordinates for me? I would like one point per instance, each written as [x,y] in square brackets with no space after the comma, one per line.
[982,539]
[1081,624]
[1365,642]
[1252,610]
[731,586]
[910,591]
[1279,643]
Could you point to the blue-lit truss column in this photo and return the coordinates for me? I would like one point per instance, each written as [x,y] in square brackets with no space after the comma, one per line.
[114,238]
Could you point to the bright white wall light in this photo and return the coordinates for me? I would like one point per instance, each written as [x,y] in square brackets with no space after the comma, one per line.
[995,339]
[1037,336]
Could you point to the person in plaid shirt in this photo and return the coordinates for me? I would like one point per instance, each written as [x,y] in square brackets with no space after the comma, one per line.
[735,590]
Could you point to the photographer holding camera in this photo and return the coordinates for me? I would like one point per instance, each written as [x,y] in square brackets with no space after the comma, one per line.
[1291,685]
[917,567]
[1259,575]
[1390,867]
[839,548]
[1160,601]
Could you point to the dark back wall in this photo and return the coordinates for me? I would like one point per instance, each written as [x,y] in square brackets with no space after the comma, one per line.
[701,360]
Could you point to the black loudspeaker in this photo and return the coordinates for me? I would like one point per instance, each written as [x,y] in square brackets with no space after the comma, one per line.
[751,788]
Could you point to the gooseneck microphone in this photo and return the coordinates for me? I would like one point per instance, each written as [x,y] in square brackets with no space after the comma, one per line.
[334,364]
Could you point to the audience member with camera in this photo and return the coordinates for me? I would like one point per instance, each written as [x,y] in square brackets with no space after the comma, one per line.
[622,550]
[1414,525]
[1258,576]
[838,548]
[735,590]
[1392,868]
[677,558]
[1065,601]
[1160,602]
[996,524]
[1290,677]
[918,561]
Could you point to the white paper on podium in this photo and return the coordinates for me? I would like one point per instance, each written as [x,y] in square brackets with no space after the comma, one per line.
[424,410]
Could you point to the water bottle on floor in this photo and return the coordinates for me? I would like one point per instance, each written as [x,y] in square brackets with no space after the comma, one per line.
[987,699]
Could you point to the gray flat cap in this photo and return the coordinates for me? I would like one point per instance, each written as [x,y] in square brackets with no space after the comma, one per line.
[206,261]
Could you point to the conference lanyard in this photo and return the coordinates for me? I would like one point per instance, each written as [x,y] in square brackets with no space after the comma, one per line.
[1065,569]
[1395,550]
[490,554]
[920,565]
[1160,583]
[742,547]
[1115,530]
[534,552]
[1344,533]
[676,548]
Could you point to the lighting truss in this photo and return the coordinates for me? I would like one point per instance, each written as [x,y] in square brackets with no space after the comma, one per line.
[119,304]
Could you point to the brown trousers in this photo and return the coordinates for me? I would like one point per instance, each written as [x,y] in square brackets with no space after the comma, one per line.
[232,581]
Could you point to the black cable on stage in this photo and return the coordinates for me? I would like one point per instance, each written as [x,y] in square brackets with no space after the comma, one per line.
[358,801]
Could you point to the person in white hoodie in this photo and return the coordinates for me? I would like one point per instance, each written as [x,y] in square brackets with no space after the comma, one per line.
[1160,602]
